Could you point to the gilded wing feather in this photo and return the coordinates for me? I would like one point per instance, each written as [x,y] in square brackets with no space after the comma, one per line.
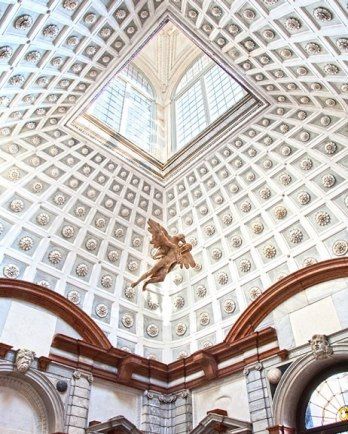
[161,240]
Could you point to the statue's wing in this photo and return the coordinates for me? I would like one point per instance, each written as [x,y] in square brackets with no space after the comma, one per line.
[160,237]
[186,259]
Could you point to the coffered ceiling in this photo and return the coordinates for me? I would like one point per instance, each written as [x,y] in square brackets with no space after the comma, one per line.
[268,199]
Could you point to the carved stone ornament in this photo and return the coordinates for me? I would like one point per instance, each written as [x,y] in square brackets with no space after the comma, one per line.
[24,359]
[257,367]
[320,347]
[184,394]
[149,394]
[167,399]
[152,330]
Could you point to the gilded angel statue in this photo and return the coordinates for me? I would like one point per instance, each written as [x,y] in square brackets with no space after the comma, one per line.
[171,251]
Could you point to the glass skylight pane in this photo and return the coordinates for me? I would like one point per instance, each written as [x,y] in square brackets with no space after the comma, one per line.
[108,106]
[137,78]
[194,71]
[222,92]
[138,124]
[190,115]
[160,103]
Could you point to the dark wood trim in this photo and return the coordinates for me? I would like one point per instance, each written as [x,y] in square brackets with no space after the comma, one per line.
[242,337]
[332,428]
[282,291]
[59,305]
[280,429]
[4,349]
[206,360]
[132,364]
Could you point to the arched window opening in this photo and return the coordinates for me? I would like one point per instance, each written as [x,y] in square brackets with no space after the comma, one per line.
[127,105]
[325,408]
[204,93]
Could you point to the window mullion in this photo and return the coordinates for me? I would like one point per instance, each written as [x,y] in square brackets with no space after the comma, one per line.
[125,109]
[205,100]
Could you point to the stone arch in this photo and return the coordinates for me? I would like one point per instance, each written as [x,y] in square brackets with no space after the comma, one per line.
[295,380]
[282,291]
[40,393]
[59,305]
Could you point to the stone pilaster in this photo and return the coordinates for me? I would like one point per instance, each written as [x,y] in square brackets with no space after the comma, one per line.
[259,402]
[182,413]
[167,414]
[78,403]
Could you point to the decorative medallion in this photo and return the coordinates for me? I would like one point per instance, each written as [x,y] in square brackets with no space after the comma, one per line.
[322,218]
[106,281]
[328,180]
[11,271]
[244,265]
[269,251]
[179,302]
[201,291]
[152,330]
[127,320]
[222,278]
[26,243]
[254,293]
[74,296]
[55,257]
[340,248]
[81,270]
[23,22]
[322,14]
[101,310]
[295,236]
[204,318]
[229,305]
[129,292]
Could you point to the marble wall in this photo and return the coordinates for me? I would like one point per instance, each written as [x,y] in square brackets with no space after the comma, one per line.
[228,394]
[109,400]
[24,325]
[321,309]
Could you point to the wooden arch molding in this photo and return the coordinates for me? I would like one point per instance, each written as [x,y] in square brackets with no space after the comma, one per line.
[57,304]
[282,291]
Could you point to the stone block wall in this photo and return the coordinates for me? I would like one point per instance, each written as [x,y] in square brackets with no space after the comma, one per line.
[78,404]
[259,402]
[167,414]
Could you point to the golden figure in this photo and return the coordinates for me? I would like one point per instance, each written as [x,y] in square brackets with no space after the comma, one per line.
[343,413]
[171,251]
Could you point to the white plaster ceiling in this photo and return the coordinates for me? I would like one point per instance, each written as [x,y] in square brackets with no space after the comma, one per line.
[269,200]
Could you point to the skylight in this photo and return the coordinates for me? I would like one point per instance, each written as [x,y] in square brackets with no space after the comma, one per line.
[167,96]
[127,105]
[204,93]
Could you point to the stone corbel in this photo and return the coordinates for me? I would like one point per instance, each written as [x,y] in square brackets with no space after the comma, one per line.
[280,429]
[77,375]
[167,399]
[127,367]
[207,363]
[184,394]
[257,367]
[43,363]
[4,349]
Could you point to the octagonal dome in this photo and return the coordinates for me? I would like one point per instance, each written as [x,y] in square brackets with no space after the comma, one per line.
[258,201]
